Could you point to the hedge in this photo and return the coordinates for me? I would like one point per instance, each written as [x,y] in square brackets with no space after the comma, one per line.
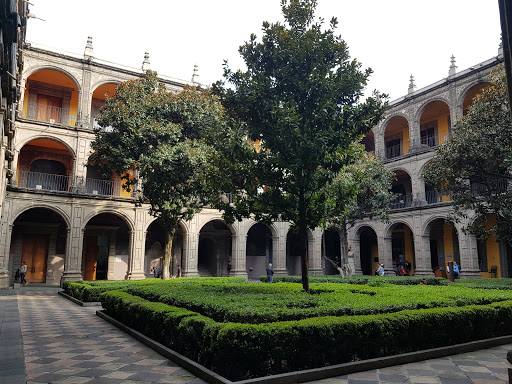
[360,279]
[240,351]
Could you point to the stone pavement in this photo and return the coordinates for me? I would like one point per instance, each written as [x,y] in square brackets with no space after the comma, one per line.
[45,338]
[64,343]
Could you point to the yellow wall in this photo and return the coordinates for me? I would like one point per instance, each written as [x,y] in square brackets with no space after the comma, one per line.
[448,241]
[55,78]
[493,250]
[443,128]
[375,254]
[124,192]
[405,142]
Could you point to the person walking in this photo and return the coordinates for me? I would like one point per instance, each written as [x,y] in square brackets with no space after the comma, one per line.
[270,273]
[380,270]
[23,272]
[229,268]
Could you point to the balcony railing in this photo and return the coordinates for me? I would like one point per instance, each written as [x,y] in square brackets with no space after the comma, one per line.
[433,197]
[54,115]
[394,151]
[41,181]
[402,201]
[98,127]
[60,183]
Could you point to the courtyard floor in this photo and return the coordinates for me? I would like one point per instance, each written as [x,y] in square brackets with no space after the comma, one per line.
[45,338]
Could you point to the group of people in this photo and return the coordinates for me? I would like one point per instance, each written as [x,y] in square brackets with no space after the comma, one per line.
[21,273]
[157,272]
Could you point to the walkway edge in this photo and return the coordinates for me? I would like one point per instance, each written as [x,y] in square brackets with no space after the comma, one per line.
[311,374]
[81,303]
[190,365]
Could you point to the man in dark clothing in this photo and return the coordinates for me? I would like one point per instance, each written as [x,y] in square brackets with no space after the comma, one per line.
[270,273]
[229,268]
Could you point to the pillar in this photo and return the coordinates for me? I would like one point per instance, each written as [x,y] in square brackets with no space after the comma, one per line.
[315,251]
[74,246]
[380,149]
[355,247]
[469,268]
[414,137]
[422,254]
[190,254]
[5,246]
[279,248]
[385,249]
[136,259]
[238,254]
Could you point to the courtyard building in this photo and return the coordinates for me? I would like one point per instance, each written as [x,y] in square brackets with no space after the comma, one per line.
[69,223]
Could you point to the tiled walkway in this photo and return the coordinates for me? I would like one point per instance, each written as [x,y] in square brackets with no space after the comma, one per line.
[45,338]
[65,343]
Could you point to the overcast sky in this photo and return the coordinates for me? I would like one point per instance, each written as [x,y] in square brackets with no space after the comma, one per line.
[396,38]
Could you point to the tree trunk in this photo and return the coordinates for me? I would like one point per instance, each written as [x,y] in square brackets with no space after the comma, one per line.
[168,259]
[303,236]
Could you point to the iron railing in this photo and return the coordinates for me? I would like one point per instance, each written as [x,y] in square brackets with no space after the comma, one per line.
[54,115]
[52,182]
[42,181]
[394,151]
[402,201]
[433,197]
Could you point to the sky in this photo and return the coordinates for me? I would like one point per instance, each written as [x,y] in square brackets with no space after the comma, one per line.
[396,38]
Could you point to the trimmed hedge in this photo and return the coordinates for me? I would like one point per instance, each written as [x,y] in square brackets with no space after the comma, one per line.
[241,351]
[360,279]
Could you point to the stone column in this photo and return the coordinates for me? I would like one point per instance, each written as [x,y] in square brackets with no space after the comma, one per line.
[355,247]
[279,248]
[190,254]
[380,149]
[136,260]
[315,252]
[422,254]
[74,246]
[5,246]
[238,256]
[469,268]
[418,191]
[385,247]
[414,137]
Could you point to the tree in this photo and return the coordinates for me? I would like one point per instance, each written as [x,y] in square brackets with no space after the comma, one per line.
[360,190]
[299,102]
[159,145]
[475,165]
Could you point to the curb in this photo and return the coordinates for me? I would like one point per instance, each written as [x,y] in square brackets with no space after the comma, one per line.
[310,374]
[81,303]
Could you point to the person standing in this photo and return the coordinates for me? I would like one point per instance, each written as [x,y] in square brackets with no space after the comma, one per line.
[270,273]
[178,273]
[380,270]
[455,270]
[23,272]
[229,268]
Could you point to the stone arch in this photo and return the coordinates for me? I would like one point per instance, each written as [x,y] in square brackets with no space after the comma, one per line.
[232,228]
[367,249]
[271,227]
[430,220]
[120,214]
[31,71]
[54,208]
[423,106]
[182,224]
[389,227]
[46,136]
[382,127]
[103,82]
[464,93]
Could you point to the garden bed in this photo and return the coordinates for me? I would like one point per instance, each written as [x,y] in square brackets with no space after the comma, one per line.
[243,330]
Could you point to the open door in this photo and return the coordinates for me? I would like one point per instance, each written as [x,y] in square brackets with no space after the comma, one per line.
[35,254]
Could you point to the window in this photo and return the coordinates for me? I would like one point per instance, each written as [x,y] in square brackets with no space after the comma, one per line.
[429,134]
[393,148]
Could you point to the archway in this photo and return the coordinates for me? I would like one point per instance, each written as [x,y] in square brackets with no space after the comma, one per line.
[51,96]
[368,250]
[98,101]
[155,249]
[258,251]
[106,249]
[471,93]
[402,188]
[396,137]
[214,249]
[39,237]
[331,251]
[444,246]
[402,249]
[45,164]
[435,124]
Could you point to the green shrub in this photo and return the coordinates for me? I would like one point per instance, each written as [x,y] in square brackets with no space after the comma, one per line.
[360,279]
[240,351]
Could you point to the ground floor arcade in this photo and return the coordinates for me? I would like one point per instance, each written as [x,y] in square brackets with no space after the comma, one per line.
[79,237]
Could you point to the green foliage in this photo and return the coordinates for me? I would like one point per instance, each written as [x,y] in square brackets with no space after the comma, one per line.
[475,165]
[362,279]
[242,351]
[299,101]
[160,141]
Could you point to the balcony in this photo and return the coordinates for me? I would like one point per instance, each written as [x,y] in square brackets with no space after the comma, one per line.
[50,114]
[402,201]
[433,197]
[430,140]
[393,151]
[59,183]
